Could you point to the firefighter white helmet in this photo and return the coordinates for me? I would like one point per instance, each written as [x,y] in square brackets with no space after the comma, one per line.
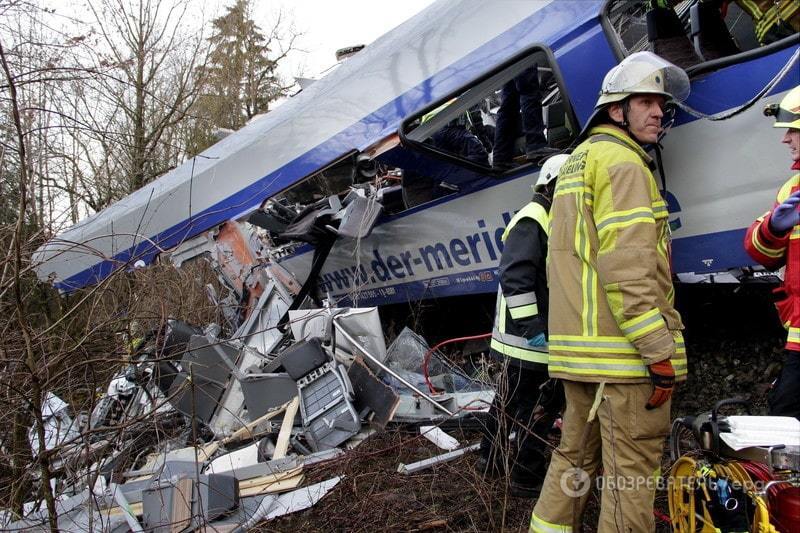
[639,73]
[549,171]
[643,73]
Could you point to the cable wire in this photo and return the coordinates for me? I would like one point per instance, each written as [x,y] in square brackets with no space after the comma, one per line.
[747,105]
[426,359]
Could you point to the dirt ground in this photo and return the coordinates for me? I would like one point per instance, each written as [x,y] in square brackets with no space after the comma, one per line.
[375,497]
[734,345]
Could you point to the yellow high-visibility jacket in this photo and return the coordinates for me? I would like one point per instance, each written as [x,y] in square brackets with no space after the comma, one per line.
[611,293]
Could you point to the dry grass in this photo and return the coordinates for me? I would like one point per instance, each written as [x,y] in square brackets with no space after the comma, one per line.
[374,496]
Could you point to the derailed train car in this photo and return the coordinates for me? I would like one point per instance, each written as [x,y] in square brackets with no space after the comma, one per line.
[366,129]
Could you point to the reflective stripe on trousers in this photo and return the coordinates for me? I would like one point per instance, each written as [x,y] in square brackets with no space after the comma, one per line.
[541,526]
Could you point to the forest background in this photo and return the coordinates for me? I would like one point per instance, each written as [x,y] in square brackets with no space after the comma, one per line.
[98,99]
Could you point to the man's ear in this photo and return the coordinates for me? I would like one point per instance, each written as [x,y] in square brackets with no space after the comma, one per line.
[615,113]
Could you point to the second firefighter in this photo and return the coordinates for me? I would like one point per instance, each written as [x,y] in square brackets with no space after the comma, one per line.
[519,341]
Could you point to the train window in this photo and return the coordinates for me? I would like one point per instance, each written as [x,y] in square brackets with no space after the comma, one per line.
[509,118]
[690,32]
[334,179]
[628,24]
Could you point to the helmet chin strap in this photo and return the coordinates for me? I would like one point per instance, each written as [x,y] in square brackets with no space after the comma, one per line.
[625,124]
[626,107]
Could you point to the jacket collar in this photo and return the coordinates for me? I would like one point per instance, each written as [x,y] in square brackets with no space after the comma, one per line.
[619,133]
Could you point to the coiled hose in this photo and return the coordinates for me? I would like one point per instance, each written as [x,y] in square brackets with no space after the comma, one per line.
[683,510]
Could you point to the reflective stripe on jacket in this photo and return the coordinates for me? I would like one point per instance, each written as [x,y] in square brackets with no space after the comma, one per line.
[521,311]
[774,251]
[611,293]
[779,16]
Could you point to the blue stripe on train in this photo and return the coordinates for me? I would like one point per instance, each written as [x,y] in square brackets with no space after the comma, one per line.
[721,90]
[710,252]
[368,130]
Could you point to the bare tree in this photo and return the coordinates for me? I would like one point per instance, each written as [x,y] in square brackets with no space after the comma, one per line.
[14,259]
[148,52]
[80,111]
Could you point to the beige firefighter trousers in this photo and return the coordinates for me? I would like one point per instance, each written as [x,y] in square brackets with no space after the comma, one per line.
[627,441]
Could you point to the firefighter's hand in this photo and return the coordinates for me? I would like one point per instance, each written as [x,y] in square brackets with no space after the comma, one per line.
[663,377]
[786,216]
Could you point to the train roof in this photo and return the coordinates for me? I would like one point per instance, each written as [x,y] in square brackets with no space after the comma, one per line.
[355,106]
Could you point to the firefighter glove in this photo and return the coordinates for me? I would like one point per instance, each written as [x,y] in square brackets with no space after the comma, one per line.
[786,216]
[663,377]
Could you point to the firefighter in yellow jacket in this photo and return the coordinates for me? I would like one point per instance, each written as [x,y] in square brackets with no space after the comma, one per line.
[615,336]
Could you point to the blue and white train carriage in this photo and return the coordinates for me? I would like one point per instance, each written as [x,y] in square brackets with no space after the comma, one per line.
[439,233]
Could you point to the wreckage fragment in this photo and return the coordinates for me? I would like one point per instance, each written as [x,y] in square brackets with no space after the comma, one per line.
[187,502]
[329,417]
[372,394]
[59,427]
[439,437]
[443,458]
[204,375]
[248,405]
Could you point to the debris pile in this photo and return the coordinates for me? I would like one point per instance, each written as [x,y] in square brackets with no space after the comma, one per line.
[204,428]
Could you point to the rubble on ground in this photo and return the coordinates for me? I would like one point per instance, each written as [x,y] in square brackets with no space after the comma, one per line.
[218,433]
[216,425]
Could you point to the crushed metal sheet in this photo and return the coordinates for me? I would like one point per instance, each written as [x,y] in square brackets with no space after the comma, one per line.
[290,502]
[371,393]
[385,368]
[59,427]
[413,410]
[301,499]
[364,323]
[64,506]
[323,455]
[276,466]
[233,461]
[167,505]
[266,391]
[260,336]
[130,518]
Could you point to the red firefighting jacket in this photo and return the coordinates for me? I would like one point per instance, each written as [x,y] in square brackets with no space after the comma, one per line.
[774,251]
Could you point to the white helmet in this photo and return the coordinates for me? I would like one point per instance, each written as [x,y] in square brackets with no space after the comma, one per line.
[640,73]
[549,171]
[644,73]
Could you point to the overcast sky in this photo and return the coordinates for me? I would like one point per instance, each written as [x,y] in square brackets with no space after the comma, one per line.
[328,25]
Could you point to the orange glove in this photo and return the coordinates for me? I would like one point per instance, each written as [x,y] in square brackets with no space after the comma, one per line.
[663,377]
